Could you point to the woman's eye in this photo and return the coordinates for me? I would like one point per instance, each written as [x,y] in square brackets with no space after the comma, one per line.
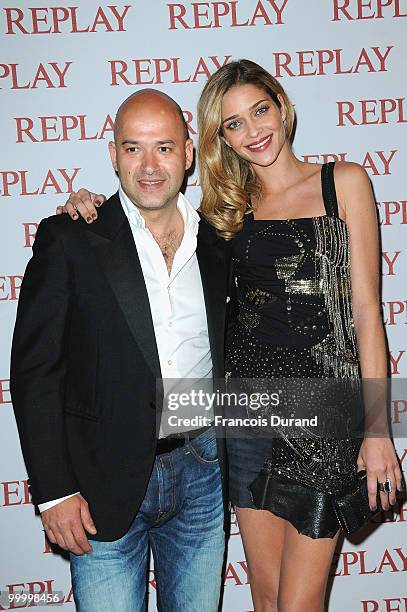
[233,125]
[261,110]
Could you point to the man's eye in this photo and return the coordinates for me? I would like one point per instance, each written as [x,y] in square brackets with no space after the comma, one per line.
[164,149]
[131,149]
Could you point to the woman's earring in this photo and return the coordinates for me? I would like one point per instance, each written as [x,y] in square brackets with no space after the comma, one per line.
[285,123]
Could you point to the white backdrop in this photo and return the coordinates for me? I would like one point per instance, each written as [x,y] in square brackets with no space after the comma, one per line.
[64,71]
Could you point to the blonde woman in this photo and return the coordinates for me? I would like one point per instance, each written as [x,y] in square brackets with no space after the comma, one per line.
[305,256]
[305,251]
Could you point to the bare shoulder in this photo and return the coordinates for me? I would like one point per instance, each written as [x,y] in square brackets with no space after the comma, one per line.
[354,190]
[350,176]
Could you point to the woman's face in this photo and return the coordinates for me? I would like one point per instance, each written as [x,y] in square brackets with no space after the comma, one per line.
[252,124]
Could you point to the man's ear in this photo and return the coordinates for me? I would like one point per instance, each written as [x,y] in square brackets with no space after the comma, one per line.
[189,153]
[112,151]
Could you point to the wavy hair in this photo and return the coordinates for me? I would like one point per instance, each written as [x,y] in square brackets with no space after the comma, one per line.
[227,180]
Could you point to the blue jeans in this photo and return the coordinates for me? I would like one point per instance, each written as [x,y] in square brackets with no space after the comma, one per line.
[181,518]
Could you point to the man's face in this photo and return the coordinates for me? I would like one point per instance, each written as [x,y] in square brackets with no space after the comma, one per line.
[150,152]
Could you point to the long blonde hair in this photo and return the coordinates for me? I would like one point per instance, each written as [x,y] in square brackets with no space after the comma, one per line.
[227,180]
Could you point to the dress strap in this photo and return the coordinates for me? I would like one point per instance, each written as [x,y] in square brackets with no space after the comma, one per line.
[328,190]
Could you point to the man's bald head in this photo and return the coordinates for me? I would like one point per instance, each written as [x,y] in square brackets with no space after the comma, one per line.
[151,150]
[154,100]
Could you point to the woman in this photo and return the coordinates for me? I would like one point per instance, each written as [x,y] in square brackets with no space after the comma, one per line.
[305,249]
[306,258]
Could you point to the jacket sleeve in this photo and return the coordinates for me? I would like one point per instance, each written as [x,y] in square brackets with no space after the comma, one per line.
[38,367]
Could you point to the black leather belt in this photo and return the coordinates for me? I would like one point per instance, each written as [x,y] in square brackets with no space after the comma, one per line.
[170,443]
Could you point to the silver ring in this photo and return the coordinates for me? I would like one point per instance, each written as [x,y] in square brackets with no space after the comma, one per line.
[385,487]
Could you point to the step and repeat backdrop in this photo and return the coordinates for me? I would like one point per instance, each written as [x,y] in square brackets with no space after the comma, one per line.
[63,72]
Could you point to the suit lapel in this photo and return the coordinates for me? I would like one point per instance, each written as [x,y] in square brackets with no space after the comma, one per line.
[213,268]
[113,242]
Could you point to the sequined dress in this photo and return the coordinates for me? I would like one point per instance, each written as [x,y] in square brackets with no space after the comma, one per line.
[294,321]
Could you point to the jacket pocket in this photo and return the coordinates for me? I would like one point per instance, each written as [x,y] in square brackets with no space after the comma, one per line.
[82,395]
[79,411]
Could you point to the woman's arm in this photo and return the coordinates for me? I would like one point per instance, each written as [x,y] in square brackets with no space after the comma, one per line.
[377,454]
[83,202]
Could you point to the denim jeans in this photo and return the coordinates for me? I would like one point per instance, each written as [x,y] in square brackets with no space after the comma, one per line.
[181,518]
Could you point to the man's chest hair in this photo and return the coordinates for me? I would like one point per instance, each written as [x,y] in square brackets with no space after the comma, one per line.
[169,243]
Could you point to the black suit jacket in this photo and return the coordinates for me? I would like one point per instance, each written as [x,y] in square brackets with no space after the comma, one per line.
[85,363]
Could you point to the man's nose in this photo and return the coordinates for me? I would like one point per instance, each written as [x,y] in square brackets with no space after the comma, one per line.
[149,163]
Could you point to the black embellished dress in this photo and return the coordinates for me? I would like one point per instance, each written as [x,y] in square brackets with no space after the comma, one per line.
[293,326]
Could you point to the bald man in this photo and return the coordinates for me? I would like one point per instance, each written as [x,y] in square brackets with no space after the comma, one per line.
[106,310]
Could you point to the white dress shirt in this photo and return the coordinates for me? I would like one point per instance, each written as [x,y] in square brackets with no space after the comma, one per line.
[177,306]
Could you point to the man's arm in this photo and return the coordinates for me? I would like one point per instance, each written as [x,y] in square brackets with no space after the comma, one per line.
[38,371]
[54,502]
[38,368]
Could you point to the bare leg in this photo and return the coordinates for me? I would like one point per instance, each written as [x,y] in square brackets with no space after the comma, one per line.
[304,571]
[288,571]
[263,536]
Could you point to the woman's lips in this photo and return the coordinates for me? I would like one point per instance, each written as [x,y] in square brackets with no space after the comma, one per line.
[260,145]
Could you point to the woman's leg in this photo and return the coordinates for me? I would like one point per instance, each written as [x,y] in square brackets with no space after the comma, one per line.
[288,571]
[263,536]
[304,571]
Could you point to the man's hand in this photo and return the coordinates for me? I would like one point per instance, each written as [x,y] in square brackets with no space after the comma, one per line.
[64,525]
[83,202]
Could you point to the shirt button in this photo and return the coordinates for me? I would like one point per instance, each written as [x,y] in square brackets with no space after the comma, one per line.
[170,324]
[169,362]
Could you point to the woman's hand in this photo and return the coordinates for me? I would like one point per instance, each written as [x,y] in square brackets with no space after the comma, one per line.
[378,457]
[83,202]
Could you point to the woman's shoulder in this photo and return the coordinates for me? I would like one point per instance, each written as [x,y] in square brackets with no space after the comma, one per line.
[350,173]
[353,189]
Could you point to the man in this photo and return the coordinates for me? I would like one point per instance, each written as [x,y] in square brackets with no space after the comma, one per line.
[105,311]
